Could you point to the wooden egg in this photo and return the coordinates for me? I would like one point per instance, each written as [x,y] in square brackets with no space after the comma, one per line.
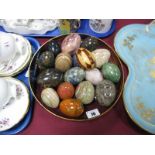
[71,107]
[85,58]
[63,62]
[50,97]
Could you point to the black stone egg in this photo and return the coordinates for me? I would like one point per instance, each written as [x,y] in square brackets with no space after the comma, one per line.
[90,43]
[54,47]
[50,78]
[46,60]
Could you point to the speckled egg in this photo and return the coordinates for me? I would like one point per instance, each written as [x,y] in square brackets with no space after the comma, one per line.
[85,92]
[90,43]
[85,58]
[65,90]
[54,47]
[46,60]
[111,72]
[71,107]
[94,76]
[74,75]
[63,62]
[50,78]
[71,43]
[50,98]
[105,93]
[101,56]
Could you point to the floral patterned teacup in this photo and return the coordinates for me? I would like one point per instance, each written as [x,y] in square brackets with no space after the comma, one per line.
[7,92]
[100,25]
[7,47]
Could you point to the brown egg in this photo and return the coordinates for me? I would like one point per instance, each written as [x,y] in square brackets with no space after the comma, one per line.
[71,107]
[85,58]
[63,62]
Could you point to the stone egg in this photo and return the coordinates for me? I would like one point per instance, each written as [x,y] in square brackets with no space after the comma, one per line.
[94,76]
[46,60]
[71,107]
[85,58]
[90,43]
[74,61]
[63,62]
[85,92]
[50,78]
[54,47]
[65,90]
[101,56]
[75,75]
[111,72]
[71,43]
[50,97]
[105,93]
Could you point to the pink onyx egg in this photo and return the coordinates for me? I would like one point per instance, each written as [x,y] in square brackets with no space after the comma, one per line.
[71,43]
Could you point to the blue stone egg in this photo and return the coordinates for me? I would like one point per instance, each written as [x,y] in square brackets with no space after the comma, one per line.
[75,62]
[75,75]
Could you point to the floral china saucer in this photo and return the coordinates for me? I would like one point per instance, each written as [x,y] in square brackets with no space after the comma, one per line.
[20,58]
[12,113]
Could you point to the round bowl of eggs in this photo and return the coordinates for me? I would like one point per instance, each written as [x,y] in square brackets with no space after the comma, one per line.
[76,77]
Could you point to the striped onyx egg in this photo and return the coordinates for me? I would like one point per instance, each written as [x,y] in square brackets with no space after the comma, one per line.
[63,62]
[50,97]
[85,58]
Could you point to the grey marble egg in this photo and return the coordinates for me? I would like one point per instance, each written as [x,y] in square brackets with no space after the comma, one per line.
[105,93]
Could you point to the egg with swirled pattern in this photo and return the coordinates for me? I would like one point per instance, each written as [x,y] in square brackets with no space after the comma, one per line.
[85,58]
[75,75]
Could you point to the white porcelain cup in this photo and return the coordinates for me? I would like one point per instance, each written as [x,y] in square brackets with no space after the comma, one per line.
[7,92]
[7,47]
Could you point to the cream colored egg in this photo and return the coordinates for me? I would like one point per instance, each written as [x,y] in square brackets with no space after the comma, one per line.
[101,56]
[50,97]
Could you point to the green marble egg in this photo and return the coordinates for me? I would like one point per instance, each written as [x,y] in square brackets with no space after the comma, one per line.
[111,72]
[85,92]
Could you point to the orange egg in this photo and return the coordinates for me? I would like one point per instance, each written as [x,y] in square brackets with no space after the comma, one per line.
[71,107]
[65,90]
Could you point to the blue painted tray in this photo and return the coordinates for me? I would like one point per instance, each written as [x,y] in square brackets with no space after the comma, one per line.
[24,123]
[84,28]
[135,44]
